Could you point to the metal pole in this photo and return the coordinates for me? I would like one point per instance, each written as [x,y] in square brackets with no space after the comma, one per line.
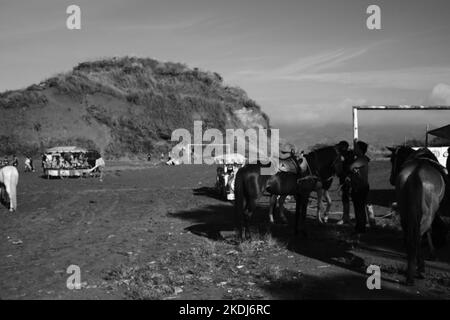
[426,136]
[355,123]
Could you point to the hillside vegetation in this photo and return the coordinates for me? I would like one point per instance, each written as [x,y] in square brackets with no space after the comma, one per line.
[124,107]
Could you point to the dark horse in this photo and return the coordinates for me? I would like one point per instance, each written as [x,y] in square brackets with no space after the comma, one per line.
[250,185]
[420,184]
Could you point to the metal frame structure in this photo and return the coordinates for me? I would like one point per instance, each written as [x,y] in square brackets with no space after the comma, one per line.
[392,107]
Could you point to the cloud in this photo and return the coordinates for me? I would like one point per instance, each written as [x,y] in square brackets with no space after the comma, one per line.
[440,94]
[310,64]
[418,78]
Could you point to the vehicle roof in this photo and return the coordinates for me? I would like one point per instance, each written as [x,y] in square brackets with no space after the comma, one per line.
[62,149]
[230,159]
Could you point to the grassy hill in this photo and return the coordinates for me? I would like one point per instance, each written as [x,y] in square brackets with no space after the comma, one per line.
[124,107]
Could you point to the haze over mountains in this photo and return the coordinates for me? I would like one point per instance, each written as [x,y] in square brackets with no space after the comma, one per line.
[379,136]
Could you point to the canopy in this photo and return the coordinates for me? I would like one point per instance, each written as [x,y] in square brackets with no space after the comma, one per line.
[65,149]
[230,158]
[442,132]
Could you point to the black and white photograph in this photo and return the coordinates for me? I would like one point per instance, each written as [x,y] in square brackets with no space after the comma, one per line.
[241,152]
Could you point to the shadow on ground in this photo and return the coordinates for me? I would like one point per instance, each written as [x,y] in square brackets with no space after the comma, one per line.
[208,192]
[333,287]
[328,243]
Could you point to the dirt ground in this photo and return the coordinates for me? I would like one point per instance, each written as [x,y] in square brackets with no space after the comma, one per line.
[159,232]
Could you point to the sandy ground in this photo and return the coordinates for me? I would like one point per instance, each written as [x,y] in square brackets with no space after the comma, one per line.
[160,232]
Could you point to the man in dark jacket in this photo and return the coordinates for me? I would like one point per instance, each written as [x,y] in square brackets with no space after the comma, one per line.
[359,184]
[348,155]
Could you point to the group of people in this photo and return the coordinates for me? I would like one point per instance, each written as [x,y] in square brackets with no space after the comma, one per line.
[64,161]
[9,162]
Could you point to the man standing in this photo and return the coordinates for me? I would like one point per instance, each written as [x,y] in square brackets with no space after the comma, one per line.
[345,186]
[359,184]
[100,167]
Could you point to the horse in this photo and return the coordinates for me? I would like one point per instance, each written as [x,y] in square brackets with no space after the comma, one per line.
[420,184]
[250,185]
[9,178]
[321,188]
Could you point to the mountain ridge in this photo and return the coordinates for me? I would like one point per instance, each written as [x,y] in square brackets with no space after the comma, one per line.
[124,107]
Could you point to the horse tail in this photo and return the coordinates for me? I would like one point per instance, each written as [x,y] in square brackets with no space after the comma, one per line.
[411,204]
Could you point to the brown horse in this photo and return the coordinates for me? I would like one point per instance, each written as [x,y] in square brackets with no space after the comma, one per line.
[250,185]
[420,184]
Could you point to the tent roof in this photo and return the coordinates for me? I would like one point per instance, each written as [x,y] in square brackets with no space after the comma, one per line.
[230,159]
[442,132]
[62,149]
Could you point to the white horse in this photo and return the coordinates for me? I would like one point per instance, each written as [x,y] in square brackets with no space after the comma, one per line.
[9,177]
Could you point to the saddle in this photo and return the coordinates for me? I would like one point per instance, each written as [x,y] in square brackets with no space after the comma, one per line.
[293,164]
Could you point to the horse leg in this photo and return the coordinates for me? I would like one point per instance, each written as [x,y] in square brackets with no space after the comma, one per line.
[430,244]
[281,201]
[328,207]
[304,209]
[411,253]
[241,207]
[13,199]
[319,204]
[10,196]
[251,207]
[300,214]
[2,199]
[420,264]
[272,205]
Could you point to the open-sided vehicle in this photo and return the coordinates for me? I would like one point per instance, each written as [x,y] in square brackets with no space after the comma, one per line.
[228,165]
[68,161]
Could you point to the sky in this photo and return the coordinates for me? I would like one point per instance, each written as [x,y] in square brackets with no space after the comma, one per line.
[305,62]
